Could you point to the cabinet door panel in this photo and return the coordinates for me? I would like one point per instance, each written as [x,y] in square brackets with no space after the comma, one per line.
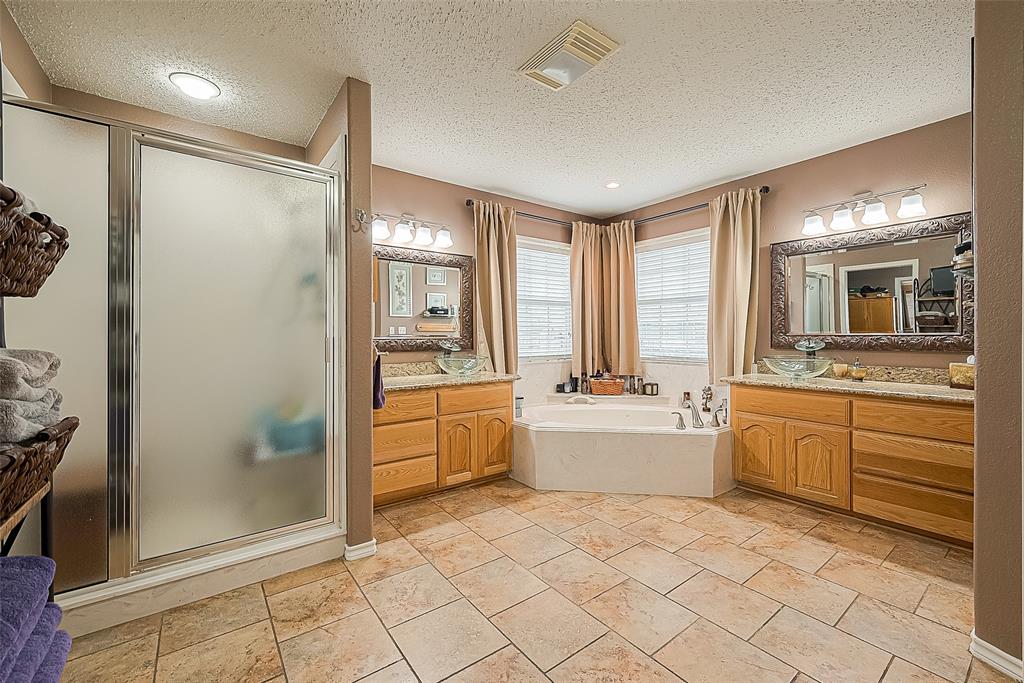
[758,442]
[494,446]
[457,448]
[818,463]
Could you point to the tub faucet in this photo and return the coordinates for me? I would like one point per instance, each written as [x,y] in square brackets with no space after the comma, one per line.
[724,410]
[679,423]
[694,412]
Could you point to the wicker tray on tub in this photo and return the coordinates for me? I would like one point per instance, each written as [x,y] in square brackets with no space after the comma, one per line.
[28,466]
[607,387]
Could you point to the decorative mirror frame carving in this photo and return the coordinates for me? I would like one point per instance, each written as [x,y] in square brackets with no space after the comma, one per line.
[432,258]
[956,224]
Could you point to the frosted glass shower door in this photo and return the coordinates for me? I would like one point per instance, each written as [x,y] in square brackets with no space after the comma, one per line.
[232,387]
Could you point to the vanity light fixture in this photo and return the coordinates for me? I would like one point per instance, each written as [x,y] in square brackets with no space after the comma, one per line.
[874,212]
[842,218]
[911,205]
[443,239]
[814,224]
[403,232]
[194,86]
[612,185]
[424,237]
[380,228]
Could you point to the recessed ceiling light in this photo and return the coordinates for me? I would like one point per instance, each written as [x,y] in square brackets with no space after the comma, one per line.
[612,185]
[194,86]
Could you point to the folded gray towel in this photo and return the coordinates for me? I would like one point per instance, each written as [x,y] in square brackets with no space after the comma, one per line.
[20,420]
[26,373]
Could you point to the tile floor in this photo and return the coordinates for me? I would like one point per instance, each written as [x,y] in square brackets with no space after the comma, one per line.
[503,583]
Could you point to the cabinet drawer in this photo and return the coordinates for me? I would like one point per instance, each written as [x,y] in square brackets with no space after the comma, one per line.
[942,512]
[405,406]
[922,461]
[473,398]
[404,474]
[800,405]
[947,422]
[404,440]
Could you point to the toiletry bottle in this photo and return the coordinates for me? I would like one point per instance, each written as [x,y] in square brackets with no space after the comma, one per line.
[584,384]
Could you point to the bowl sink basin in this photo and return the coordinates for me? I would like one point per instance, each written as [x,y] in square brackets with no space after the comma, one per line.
[797,367]
[465,363]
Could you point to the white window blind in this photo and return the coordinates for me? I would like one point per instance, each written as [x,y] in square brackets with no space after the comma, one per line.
[672,297]
[543,299]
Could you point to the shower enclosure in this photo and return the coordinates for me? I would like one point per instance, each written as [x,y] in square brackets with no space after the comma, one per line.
[197,319]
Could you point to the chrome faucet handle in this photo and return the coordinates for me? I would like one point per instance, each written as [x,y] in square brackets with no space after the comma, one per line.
[714,419]
[679,423]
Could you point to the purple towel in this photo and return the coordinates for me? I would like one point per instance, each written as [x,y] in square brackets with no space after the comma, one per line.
[24,584]
[53,666]
[37,646]
[378,386]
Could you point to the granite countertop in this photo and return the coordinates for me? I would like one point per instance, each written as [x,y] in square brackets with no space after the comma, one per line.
[921,392]
[431,381]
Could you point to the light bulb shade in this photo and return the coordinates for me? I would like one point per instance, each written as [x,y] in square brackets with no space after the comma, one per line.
[874,212]
[911,205]
[423,236]
[443,239]
[381,229]
[842,219]
[194,86]
[813,225]
[403,233]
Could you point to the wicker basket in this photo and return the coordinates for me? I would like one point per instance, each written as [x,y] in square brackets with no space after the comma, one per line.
[30,247]
[28,466]
[607,387]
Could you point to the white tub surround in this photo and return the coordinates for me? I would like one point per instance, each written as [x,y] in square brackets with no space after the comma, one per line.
[620,447]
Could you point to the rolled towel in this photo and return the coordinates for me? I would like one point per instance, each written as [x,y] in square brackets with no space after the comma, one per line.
[37,646]
[26,373]
[20,420]
[24,584]
[53,666]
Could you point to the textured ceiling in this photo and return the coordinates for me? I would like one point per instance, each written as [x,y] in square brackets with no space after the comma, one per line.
[699,93]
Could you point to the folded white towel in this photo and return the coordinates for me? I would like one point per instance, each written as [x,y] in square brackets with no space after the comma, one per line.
[25,374]
[20,420]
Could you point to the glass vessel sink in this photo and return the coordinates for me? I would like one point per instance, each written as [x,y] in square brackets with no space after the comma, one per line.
[462,363]
[797,367]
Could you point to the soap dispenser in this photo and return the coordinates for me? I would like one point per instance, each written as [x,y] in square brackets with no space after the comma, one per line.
[857,371]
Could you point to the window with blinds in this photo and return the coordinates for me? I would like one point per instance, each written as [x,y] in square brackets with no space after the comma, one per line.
[673,277]
[542,291]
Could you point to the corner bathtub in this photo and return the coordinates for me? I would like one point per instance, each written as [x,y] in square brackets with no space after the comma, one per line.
[614,447]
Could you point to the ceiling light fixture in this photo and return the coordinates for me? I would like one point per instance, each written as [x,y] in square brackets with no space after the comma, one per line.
[424,237]
[813,224]
[573,53]
[874,212]
[403,232]
[911,205]
[194,86]
[380,228]
[611,185]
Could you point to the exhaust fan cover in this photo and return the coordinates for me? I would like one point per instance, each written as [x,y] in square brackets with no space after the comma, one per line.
[569,56]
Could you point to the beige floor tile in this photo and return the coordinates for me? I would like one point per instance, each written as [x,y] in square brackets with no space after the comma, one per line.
[498,585]
[529,502]
[732,501]
[304,608]
[672,507]
[303,576]
[616,512]
[983,673]
[653,567]
[849,523]
[578,576]
[407,595]
[496,523]
[457,554]
[600,539]
[821,599]
[801,553]
[735,608]
[578,499]
[948,607]
[723,525]
[876,581]
[247,655]
[504,494]
[406,512]
[948,572]
[907,539]
[664,533]
[557,517]
[446,640]
[532,545]
[465,503]
[130,662]
[856,543]
[640,615]
[392,557]
[705,653]
[383,530]
[548,629]
[399,672]
[197,621]
[423,531]
[773,517]
[345,650]
[631,498]
[115,635]
[930,646]
[507,665]
[961,554]
[724,558]
[819,650]
[780,504]
[611,660]
[905,672]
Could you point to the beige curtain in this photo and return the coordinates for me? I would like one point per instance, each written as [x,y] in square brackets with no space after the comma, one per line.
[495,227]
[602,269]
[732,298]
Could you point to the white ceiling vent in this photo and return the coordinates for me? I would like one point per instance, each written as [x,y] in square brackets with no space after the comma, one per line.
[568,56]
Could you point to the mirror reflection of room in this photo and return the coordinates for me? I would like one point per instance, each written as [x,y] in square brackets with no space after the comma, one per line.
[415,299]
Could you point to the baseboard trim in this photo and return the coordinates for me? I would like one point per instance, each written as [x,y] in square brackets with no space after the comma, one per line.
[361,550]
[996,658]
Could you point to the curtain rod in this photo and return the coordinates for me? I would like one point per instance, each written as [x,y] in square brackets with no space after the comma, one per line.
[764,189]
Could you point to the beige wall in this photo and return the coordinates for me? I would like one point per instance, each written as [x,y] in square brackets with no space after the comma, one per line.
[938,154]
[998,140]
[19,60]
